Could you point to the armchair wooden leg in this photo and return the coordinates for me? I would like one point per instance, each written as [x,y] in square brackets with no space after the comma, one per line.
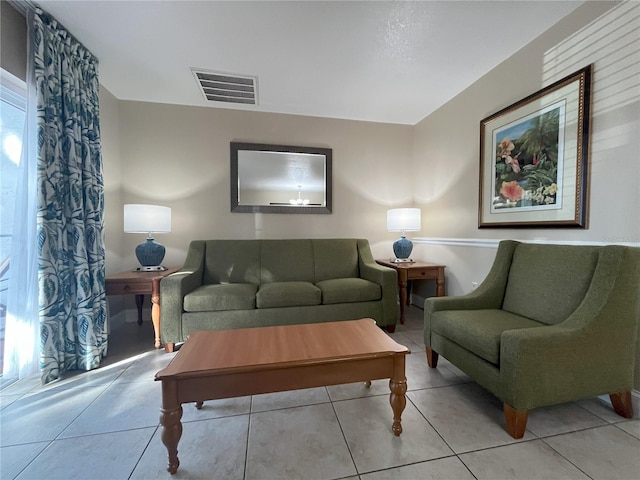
[432,357]
[515,421]
[622,404]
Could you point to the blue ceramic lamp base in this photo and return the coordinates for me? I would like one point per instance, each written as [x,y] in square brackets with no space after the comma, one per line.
[150,255]
[402,249]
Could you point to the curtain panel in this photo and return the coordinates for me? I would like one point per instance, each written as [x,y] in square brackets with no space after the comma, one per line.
[70,208]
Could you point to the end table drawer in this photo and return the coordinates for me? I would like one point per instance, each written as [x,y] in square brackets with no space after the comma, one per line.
[419,273]
[127,288]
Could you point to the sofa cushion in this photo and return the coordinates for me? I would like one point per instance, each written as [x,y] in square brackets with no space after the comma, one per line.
[286,261]
[217,297]
[348,290]
[547,282]
[287,294]
[479,331]
[335,258]
[229,261]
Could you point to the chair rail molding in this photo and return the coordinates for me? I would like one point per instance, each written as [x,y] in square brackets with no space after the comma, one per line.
[493,242]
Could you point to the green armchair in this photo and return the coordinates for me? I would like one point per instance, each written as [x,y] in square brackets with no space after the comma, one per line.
[549,324]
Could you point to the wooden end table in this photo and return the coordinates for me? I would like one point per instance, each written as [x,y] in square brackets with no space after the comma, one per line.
[250,361]
[408,271]
[137,283]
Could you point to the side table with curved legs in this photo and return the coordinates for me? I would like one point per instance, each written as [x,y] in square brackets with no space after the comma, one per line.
[408,271]
[133,282]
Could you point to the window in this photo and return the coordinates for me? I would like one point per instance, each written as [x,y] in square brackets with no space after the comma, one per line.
[12,123]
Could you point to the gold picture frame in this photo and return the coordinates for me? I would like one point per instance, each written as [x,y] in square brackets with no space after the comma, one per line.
[534,158]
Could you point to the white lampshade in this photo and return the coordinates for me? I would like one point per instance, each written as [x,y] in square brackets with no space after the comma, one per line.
[403,220]
[147,218]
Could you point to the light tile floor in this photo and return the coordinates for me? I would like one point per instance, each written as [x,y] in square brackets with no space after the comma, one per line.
[104,425]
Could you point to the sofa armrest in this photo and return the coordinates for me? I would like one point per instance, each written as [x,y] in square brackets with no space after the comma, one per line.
[173,289]
[385,277]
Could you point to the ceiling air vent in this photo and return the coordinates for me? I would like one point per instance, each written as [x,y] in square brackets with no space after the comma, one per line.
[229,88]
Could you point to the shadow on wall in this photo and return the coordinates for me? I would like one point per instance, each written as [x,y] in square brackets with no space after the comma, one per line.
[611,43]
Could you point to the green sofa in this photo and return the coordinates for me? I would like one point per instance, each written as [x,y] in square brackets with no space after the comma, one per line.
[228,284]
[549,324]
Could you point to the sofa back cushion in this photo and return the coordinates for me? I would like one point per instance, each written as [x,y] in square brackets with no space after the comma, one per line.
[547,282]
[232,261]
[335,258]
[286,261]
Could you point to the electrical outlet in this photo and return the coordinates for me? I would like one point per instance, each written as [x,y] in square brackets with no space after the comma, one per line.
[474,285]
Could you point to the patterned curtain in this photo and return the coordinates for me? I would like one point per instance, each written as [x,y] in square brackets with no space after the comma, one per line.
[70,202]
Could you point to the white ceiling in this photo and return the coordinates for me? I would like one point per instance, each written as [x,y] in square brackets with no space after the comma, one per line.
[393,62]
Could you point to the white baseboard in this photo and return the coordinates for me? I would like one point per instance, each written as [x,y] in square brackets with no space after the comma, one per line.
[417,300]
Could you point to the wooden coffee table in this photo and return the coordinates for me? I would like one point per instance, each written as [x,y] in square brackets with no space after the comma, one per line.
[249,361]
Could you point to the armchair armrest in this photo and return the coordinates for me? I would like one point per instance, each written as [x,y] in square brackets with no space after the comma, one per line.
[173,290]
[488,295]
[555,364]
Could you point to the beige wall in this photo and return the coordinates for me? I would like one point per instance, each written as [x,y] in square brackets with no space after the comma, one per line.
[179,157]
[447,145]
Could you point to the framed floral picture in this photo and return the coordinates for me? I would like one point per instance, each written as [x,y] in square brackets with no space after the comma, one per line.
[534,158]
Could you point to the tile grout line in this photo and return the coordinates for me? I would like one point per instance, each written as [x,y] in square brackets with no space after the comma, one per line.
[344,436]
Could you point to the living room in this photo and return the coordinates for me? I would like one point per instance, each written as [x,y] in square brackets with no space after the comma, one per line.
[188,149]
[178,156]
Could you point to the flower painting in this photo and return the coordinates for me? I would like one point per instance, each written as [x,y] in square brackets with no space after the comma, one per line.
[528,161]
[534,158]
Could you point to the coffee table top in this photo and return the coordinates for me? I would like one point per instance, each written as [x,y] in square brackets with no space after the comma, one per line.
[251,349]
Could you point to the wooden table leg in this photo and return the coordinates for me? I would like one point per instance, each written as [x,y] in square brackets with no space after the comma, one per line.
[397,399]
[440,283]
[170,421]
[402,284]
[139,303]
[155,311]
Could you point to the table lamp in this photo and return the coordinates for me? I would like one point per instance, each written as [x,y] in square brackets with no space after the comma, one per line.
[148,219]
[403,220]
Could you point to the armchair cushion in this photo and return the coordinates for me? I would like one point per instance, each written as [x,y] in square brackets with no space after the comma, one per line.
[347,290]
[479,331]
[288,294]
[547,284]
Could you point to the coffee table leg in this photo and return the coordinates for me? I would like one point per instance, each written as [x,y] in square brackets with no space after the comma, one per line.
[170,420]
[397,399]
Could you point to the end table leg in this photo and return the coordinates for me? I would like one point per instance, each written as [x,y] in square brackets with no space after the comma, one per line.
[170,421]
[397,399]
[155,311]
